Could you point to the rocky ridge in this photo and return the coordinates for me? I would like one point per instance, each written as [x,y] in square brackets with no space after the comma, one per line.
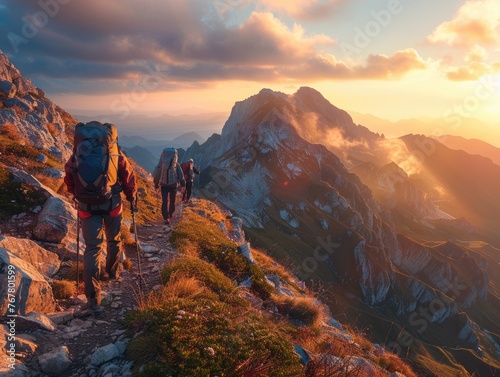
[36,119]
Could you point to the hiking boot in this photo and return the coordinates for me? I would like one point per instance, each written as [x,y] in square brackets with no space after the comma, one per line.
[167,221]
[116,272]
[92,308]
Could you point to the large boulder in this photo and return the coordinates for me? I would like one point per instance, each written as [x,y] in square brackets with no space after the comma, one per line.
[22,288]
[7,89]
[55,220]
[44,261]
[55,362]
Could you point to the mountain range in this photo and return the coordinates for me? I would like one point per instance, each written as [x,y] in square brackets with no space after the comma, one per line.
[402,232]
[452,124]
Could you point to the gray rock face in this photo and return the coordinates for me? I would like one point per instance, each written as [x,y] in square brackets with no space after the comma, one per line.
[45,262]
[55,362]
[21,280]
[54,221]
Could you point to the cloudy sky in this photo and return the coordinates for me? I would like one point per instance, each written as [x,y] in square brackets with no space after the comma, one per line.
[391,58]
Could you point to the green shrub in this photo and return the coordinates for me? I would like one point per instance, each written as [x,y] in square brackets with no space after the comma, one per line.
[205,338]
[211,243]
[205,272]
[260,286]
[16,197]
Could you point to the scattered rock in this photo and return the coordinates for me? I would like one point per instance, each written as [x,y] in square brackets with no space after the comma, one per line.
[245,250]
[33,321]
[41,158]
[104,354]
[56,361]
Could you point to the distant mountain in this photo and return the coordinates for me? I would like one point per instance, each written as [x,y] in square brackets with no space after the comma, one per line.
[162,127]
[147,152]
[471,146]
[286,164]
[470,183]
[142,156]
[468,128]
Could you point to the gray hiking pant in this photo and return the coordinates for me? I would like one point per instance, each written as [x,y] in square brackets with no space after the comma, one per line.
[93,234]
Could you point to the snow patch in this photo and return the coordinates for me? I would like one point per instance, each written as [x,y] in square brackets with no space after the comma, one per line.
[292,221]
[294,169]
[324,207]
[324,223]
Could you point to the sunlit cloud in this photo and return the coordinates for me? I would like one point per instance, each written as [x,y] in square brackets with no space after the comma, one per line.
[475,66]
[476,22]
[306,10]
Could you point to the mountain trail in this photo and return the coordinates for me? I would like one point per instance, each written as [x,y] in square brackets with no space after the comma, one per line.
[96,343]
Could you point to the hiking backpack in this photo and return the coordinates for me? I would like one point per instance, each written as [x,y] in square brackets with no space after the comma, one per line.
[168,167]
[95,161]
[187,171]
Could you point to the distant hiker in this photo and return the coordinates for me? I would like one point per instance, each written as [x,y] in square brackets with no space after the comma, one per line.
[168,175]
[189,171]
[96,173]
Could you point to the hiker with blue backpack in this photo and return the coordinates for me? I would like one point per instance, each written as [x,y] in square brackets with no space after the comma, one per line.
[96,173]
[168,175]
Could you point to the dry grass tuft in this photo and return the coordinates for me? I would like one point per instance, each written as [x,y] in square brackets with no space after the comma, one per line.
[127,264]
[63,289]
[302,309]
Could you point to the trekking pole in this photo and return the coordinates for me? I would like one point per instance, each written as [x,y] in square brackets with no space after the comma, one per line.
[132,210]
[77,251]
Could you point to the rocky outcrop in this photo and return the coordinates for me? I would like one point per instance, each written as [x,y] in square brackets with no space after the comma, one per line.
[36,119]
[375,272]
[458,276]
[10,73]
[22,288]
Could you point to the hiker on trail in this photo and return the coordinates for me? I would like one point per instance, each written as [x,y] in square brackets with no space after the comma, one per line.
[96,173]
[168,175]
[189,171]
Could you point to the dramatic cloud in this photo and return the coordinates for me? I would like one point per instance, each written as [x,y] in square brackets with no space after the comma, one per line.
[476,22]
[174,42]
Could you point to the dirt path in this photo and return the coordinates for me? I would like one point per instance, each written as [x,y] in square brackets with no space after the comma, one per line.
[83,334]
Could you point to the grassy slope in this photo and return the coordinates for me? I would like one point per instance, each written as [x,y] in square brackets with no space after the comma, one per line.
[202,313]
